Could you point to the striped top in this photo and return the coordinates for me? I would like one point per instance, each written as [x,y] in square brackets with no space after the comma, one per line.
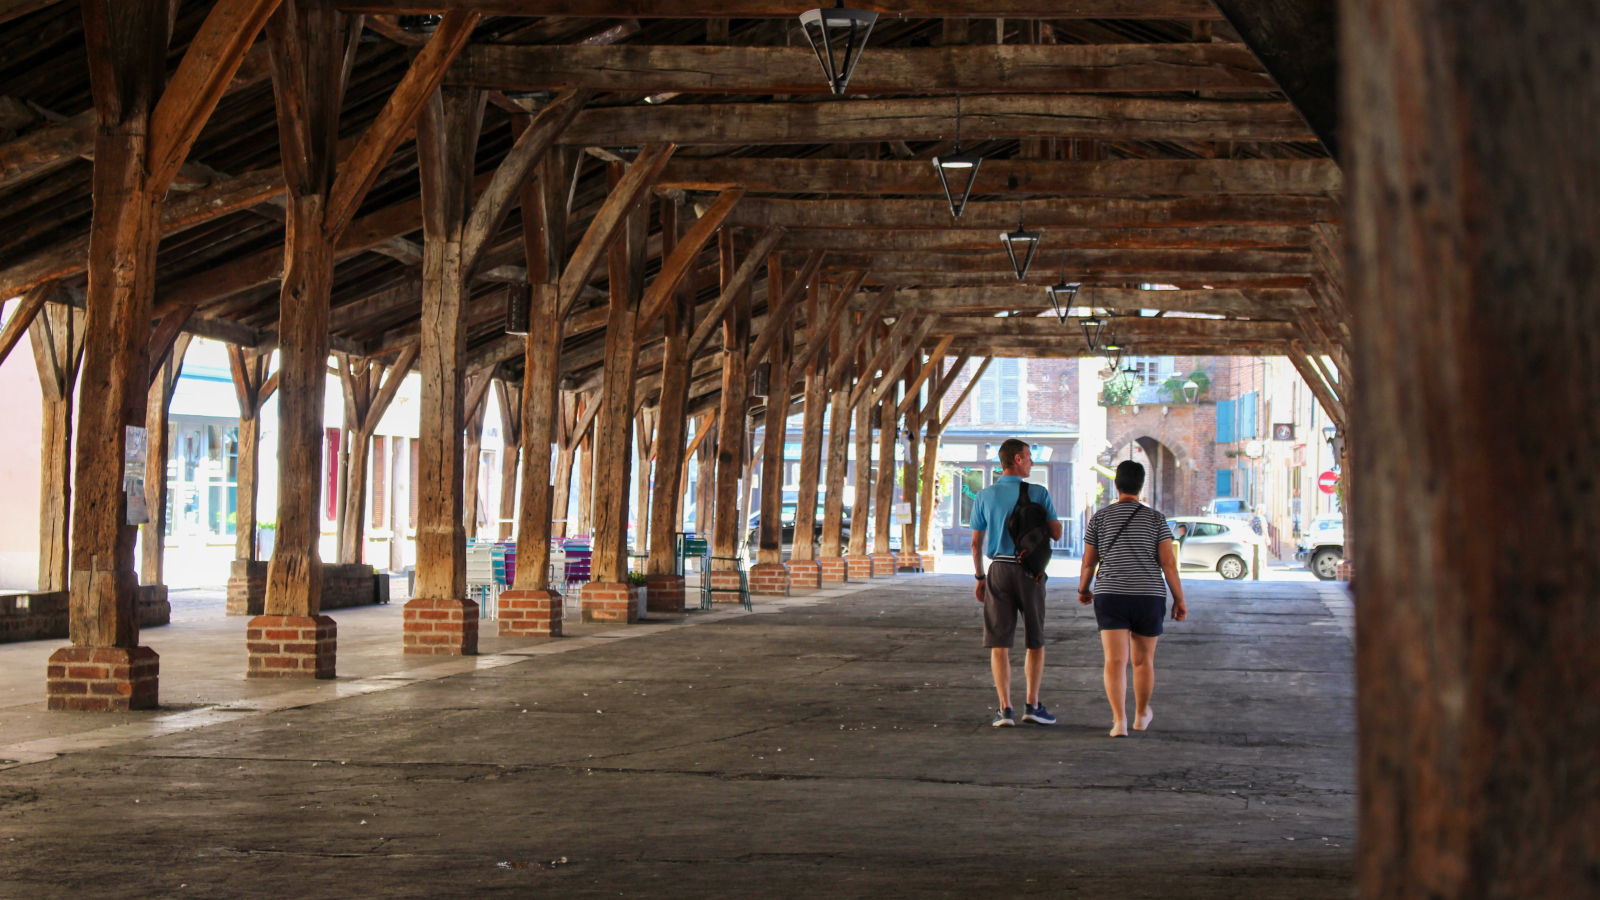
[1131,566]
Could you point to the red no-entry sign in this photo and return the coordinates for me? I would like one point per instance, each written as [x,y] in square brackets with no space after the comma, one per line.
[1328,482]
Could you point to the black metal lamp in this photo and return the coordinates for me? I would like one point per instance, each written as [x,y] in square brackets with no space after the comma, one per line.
[1021,241]
[958,172]
[1114,350]
[1062,296]
[838,36]
[1093,327]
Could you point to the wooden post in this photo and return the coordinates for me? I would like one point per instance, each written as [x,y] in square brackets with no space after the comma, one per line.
[153,534]
[857,560]
[705,496]
[247,576]
[730,520]
[57,338]
[909,490]
[509,399]
[1474,399]
[666,586]
[534,607]
[769,576]
[831,562]
[883,559]
[803,568]
[475,408]
[441,619]
[583,523]
[608,597]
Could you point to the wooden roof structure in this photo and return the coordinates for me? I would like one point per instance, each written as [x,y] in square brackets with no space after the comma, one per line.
[1142,137]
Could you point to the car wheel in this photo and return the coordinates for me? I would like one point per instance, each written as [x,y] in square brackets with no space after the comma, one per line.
[1325,563]
[1232,568]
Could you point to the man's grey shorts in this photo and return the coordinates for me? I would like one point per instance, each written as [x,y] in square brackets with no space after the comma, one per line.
[1009,590]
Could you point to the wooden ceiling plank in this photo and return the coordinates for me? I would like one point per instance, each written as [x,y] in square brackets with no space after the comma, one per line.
[757,9]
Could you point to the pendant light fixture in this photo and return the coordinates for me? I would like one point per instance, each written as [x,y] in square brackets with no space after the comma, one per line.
[1062,295]
[957,172]
[1021,241]
[838,36]
[1114,351]
[1093,326]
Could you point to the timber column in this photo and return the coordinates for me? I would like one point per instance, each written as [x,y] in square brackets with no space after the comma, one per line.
[884,561]
[804,570]
[247,579]
[532,608]
[856,558]
[57,338]
[666,585]
[729,522]
[831,561]
[769,576]
[441,619]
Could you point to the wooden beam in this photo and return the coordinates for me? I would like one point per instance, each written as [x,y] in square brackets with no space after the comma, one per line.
[778,311]
[930,410]
[57,339]
[683,256]
[397,117]
[818,329]
[22,317]
[971,69]
[983,366]
[995,116]
[845,357]
[606,226]
[935,359]
[1277,303]
[895,370]
[1082,265]
[1126,328]
[1298,41]
[490,208]
[202,78]
[1076,212]
[1010,177]
[880,357]
[773,9]
[1079,240]
[739,282]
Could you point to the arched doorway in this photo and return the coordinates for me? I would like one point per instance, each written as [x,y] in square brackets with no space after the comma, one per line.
[1162,489]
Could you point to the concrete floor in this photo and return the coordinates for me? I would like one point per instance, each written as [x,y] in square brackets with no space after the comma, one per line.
[836,745]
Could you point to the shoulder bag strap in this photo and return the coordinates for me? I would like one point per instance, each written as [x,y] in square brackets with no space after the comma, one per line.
[1125,523]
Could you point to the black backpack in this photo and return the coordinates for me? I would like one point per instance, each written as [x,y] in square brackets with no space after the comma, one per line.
[1029,527]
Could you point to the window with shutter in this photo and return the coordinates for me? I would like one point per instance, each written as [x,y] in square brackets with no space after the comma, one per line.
[1224,483]
[988,406]
[1225,429]
[1010,391]
[1247,417]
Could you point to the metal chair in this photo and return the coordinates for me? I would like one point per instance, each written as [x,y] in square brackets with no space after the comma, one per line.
[706,590]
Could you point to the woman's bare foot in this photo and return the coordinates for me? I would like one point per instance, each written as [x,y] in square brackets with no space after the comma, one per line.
[1119,729]
[1140,723]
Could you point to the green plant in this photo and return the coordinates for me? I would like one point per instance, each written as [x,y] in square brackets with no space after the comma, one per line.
[266,526]
[1118,390]
[1173,386]
[637,579]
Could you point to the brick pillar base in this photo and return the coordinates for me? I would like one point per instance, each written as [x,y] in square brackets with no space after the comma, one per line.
[834,569]
[930,562]
[860,567]
[805,574]
[1342,571]
[436,627]
[883,565]
[291,646]
[611,603]
[529,613]
[724,580]
[247,588]
[666,593]
[103,679]
[769,580]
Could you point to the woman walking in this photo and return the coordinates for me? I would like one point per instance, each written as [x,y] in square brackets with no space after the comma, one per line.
[1129,561]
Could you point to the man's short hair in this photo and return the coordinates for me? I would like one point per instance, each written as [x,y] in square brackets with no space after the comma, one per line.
[1130,477]
[1010,450]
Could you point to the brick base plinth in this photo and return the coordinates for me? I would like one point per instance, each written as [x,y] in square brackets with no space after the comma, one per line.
[929,562]
[805,574]
[769,580]
[529,613]
[1343,571]
[834,569]
[247,588]
[666,593]
[103,679]
[435,627]
[860,567]
[291,647]
[612,603]
[884,565]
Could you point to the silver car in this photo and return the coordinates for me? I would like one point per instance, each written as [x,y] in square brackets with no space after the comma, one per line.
[1209,543]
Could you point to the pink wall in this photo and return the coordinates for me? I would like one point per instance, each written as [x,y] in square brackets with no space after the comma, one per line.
[19,469]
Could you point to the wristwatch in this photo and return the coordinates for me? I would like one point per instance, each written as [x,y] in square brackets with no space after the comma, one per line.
[980,577]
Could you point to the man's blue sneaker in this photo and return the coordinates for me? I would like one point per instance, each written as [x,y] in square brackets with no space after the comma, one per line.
[1038,715]
[1004,720]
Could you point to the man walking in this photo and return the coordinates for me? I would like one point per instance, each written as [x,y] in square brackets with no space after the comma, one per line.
[1008,589]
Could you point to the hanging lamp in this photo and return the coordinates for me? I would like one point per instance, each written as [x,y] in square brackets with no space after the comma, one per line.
[1062,296]
[838,36]
[1191,390]
[1024,241]
[957,172]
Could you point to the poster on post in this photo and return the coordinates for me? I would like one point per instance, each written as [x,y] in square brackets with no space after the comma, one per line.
[135,449]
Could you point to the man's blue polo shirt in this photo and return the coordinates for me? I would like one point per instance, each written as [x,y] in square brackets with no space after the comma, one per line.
[994,503]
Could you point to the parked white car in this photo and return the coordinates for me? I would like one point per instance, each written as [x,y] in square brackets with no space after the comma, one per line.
[1322,546]
[1212,543]
[1226,508]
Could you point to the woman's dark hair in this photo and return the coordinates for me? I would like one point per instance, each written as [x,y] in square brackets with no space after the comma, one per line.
[1130,477]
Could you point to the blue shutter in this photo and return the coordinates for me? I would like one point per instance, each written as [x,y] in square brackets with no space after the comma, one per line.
[1224,482]
[1225,430]
[1247,417]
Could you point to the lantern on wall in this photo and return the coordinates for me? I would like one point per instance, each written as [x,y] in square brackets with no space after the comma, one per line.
[838,36]
[1191,391]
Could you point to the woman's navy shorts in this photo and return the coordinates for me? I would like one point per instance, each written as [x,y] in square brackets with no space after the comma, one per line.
[1137,613]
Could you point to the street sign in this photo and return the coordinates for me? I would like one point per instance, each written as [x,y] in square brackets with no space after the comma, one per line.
[1283,431]
[1328,482]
